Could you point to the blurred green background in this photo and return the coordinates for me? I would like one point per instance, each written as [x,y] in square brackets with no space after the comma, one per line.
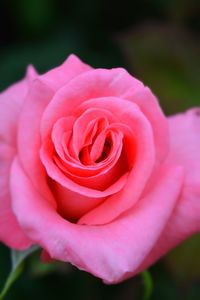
[156,41]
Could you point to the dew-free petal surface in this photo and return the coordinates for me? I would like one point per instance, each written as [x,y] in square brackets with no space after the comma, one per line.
[185,151]
[11,101]
[112,252]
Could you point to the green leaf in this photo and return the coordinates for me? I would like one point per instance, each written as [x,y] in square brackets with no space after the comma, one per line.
[17,259]
[148,284]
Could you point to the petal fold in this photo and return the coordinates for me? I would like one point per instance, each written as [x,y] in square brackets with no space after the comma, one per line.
[112,252]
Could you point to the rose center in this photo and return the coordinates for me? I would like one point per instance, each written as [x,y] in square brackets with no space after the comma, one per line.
[86,152]
[105,152]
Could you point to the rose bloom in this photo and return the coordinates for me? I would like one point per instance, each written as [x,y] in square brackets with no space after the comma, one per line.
[93,172]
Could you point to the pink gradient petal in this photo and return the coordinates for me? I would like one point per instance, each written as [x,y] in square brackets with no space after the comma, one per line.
[62,131]
[84,175]
[40,94]
[80,126]
[72,205]
[68,163]
[28,138]
[10,232]
[11,101]
[130,115]
[184,150]
[59,76]
[57,175]
[96,249]
[92,84]
[149,105]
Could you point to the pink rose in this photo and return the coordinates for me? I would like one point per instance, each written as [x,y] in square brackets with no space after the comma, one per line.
[93,172]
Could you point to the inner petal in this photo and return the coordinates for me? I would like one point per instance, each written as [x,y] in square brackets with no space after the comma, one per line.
[84,134]
[78,170]
[105,152]
[62,128]
[47,154]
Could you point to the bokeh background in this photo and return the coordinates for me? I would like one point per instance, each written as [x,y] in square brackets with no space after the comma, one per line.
[156,41]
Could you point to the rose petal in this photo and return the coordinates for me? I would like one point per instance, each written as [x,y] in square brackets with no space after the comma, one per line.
[72,205]
[11,101]
[92,84]
[130,115]
[56,174]
[184,150]
[28,139]
[58,77]
[40,94]
[149,105]
[79,128]
[96,249]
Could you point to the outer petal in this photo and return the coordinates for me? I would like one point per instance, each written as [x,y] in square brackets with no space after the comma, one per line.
[185,150]
[93,84]
[40,94]
[104,83]
[149,105]
[111,252]
[11,101]
[58,77]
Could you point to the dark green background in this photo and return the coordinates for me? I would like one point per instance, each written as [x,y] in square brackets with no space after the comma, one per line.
[158,42]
